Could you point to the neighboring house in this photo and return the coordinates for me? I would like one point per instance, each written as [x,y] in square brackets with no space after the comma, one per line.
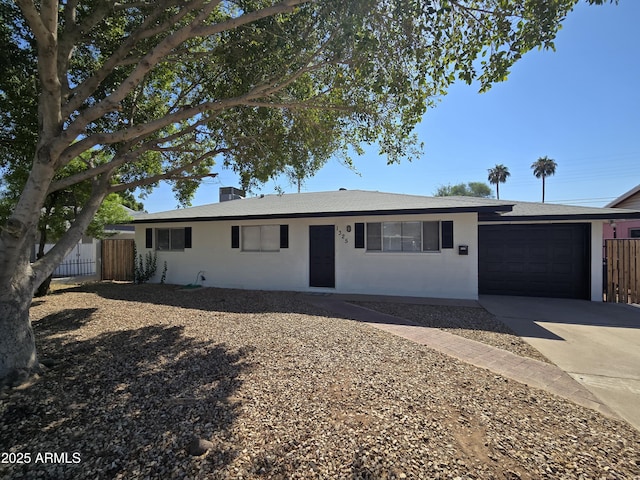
[123,230]
[85,257]
[81,261]
[628,228]
[384,244]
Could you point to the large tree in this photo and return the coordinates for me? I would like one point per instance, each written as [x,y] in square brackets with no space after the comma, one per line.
[135,92]
[471,189]
[542,168]
[498,175]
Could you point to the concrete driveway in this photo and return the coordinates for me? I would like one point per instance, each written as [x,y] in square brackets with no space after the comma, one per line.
[598,344]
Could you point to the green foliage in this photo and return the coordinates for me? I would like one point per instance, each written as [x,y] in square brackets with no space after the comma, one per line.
[99,99]
[145,268]
[471,189]
[498,175]
[111,212]
[280,94]
[542,168]
[163,277]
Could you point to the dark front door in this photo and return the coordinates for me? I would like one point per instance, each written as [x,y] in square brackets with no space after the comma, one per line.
[534,260]
[322,256]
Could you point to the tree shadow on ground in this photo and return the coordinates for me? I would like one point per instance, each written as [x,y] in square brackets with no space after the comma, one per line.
[65,320]
[204,298]
[128,402]
[436,316]
[265,301]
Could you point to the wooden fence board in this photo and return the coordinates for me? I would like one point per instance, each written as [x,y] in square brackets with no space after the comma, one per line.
[623,270]
[118,259]
[634,250]
[610,286]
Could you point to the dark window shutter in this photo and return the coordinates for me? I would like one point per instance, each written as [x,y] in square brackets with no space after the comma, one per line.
[359,234]
[187,237]
[235,236]
[148,238]
[284,236]
[447,234]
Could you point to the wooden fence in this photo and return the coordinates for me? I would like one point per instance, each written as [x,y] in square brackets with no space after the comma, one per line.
[118,259]
[622,283]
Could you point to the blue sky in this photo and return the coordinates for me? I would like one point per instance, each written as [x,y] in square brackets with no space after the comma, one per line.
[579,105]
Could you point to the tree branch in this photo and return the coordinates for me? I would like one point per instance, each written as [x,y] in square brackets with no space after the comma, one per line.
[32,16]
[173,174]
[122,158]
[43,267]
[121,56]
[162,49]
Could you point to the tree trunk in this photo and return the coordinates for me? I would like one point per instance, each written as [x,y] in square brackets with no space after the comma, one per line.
[45,287]
[19,278]
[18,358]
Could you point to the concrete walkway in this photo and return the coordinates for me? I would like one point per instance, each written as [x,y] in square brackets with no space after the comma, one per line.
[597,344]
[524,370]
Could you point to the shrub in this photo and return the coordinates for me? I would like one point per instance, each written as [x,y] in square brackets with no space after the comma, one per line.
[146,267]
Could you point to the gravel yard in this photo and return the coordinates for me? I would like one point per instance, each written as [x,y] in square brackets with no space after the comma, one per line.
[281,390]
[473,323]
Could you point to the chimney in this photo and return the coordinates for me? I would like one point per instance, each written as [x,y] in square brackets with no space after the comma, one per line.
[230,193]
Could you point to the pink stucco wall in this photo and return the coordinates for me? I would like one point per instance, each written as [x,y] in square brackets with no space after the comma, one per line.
[622,229]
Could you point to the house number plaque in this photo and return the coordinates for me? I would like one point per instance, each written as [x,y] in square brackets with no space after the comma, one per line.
[343,235]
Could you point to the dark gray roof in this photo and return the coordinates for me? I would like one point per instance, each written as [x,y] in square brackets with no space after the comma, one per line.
[361,202]
[528,211]
[324,204]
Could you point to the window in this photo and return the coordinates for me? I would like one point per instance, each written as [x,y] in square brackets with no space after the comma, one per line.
[170,239]
[430,236]
[634,233]
[403,236]
[261,238]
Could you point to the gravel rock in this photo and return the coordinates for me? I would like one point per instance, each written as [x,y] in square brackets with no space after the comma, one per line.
[281,390]
[469,322]
[199,446]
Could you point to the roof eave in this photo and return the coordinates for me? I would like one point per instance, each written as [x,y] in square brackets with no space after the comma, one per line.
[564,217]
[353,213]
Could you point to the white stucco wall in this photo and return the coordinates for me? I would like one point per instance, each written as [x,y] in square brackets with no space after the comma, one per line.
[596,261]
[444,274]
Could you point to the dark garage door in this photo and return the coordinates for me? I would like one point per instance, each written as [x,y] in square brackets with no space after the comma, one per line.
[550,260]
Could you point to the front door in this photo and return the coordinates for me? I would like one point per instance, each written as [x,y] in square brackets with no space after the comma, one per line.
[322,256]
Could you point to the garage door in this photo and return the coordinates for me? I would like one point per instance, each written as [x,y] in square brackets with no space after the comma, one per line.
[534,260]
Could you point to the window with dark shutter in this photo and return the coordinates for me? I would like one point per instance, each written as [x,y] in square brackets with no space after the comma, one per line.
[235,236]
[187,237]
[284,236]
[148,238]
[171,239]
[447,234]
[359,235]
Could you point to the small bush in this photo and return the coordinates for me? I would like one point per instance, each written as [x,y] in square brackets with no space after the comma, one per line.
[164,273]
[146,267]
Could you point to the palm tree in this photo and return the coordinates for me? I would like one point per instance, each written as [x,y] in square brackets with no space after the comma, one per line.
[542,168]
[498,175]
